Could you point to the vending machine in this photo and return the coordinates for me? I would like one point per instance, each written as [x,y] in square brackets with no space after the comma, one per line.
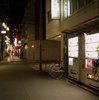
[73,64]
[92,60]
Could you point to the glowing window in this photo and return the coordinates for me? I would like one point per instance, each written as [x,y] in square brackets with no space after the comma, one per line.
[55,9]
[66,8]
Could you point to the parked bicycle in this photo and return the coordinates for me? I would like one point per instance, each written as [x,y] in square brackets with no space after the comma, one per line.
[56,71]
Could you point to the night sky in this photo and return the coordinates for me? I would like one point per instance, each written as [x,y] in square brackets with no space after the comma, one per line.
[12,10]
[17,9]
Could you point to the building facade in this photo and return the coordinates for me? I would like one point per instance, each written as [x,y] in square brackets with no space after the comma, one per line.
[73,23]
[76,24]
[34,34]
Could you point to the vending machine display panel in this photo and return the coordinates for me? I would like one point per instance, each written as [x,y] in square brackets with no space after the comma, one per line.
[96,62]
[73,47]
[89,64]
[71,61]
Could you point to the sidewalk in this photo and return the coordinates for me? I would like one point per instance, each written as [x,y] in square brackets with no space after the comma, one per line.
[22,82]
[26,82]
[17,60]
[10,59]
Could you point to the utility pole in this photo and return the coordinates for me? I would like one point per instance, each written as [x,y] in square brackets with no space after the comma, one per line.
[40,34]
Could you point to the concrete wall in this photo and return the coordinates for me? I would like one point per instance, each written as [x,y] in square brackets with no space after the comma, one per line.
[29,26]
[50,50]
[30,40]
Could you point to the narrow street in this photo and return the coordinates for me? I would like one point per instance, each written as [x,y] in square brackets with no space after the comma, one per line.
[19,81]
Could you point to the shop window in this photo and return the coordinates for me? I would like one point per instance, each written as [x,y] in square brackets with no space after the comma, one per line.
[81,3]
[55,9]
[73,6]
[89,1]
[67,8]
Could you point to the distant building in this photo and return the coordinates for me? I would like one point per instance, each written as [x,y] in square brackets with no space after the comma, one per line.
[34,32]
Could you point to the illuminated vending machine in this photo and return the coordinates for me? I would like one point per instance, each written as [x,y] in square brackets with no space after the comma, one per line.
[92,60]
[73,63]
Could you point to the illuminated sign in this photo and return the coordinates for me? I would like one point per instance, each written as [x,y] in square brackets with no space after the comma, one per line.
[73,41]
[92,77]
[93,38]
[93,55]
[73,47]
[91,46]
[19,42]
[89,63]
[70,61]
[55,9]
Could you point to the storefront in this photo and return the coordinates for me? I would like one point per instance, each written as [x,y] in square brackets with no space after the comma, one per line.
[83,56]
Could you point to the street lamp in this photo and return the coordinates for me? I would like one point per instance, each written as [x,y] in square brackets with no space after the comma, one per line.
[7,28]
[4,29]
[4,25]
[3,32]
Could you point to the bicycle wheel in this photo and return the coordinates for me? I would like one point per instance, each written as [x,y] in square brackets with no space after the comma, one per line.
[59,74]
[55,71]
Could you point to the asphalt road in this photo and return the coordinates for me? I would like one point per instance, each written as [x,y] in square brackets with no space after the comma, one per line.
[22,82]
